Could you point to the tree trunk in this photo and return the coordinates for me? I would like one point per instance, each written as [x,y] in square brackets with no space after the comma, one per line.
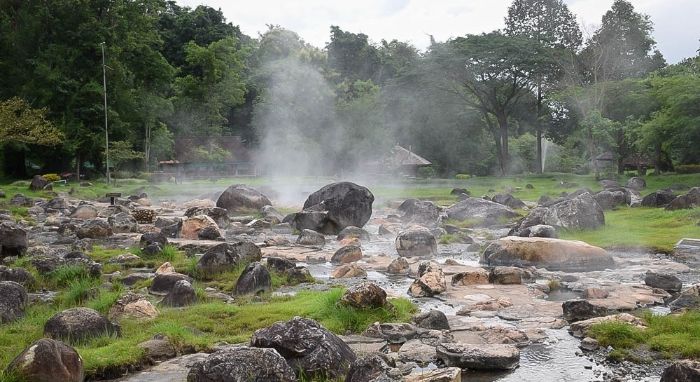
[496,133]
[620,165]
[503,129]
[538,128]
[657,160]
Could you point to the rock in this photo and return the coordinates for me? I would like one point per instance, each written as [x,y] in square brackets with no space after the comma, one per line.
[476,208]
[682,371]
[553,254]
[399,266]
[18,275]
[352,232]
[348,271]
[240,198]
[254,279]
[423,212]
[667,282]
[432,319]
[144,215]
[239,364]
[219,215]
[59,204]
[636,183]
[298,275]
[158,349]
[688,299]
[226,256]
[209,233]
[78,324]
[48,360]
[608,200]
[46,264]
[309,348]
[479,357]
[416,242]
[153,237]
[279,264]
[94,229]
[152,249]
[372,368]
[38,183]
[418,352]
[346,203]
[579,310]
[181,294]
[347,254]
[508,200]
[312,220]
[123,222]
[84,212]
[134,306]
[689,200]
[589,344]
[13,301]
[431,281]
[164,282]
[366,295]
[542,230]
[394,333]
[191,226]
[580,212]
[595,293]
[609,183]
[13,240]
[471,277]
[448,374]
[271,214]
[658,198]
[312,238]
[507,275]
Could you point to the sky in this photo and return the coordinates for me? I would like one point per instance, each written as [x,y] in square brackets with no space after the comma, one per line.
[676,22]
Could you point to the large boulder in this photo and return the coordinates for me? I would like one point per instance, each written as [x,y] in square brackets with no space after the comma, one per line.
[579,310]
[78,324]
[13,239]
[667,282]
[254,279]
[398,266]
[181,294]
[38,183]
[48,360]
[84,212]
[373,368]
[689,200]
[164,282]
[688,299]
[479,356]
[508,200]
[191,227]
[226,256]
[609,199]
[432,319]
[344,203]
[416,241]
[311,237]
[242,364]
[423,212]
[13,300]
[347,254]
[218,214]
[94,229]
[658,198]
[123,222]
[134,306]
[240,197]
[682,371]
[636,183]
[366,295]
[553,254]
[486,211]
[18,275]
[430,282]
[580,212]
[309,348]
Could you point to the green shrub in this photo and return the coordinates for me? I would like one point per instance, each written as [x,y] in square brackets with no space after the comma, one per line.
[462,176]
[67,274]
[427,172]
[51,177]
[688,169]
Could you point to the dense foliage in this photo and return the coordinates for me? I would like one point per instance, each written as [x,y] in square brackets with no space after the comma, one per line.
[475,104]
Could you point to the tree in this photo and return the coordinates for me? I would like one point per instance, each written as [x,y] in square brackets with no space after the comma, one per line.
[551,24]
[352,56]
[21,123]
[490,73]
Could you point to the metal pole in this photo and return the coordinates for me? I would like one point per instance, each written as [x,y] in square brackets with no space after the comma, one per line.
[104,83]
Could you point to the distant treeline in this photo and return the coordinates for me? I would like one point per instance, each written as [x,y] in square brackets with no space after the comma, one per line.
[477,104]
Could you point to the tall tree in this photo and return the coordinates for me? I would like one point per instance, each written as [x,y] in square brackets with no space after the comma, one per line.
[550,23]
[352,56]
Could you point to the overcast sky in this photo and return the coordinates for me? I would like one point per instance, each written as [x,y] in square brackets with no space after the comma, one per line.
[676,22]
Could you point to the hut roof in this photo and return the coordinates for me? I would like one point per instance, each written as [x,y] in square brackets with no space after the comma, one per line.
[401,156]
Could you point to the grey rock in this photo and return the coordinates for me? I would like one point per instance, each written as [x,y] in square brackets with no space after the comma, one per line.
[77,324]
[667,282]
[479,357]
[254,279]
[312,238]
[13,301]
[416,242]
[181,294]
[242,364]
[48,360]
[240,197]
[432,319]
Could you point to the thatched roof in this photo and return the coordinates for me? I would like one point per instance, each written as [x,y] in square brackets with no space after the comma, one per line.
[400,156]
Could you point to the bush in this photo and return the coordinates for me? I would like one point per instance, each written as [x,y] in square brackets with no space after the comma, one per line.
[462,176]
[688,169]
[427,172]
[51,177]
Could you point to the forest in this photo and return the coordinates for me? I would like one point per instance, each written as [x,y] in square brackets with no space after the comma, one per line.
[537,95]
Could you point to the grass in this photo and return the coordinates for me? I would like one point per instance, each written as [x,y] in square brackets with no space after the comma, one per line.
[672,336]
[199,327]
[653,228]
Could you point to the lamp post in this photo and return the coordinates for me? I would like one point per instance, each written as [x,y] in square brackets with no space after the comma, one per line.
[104,84]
